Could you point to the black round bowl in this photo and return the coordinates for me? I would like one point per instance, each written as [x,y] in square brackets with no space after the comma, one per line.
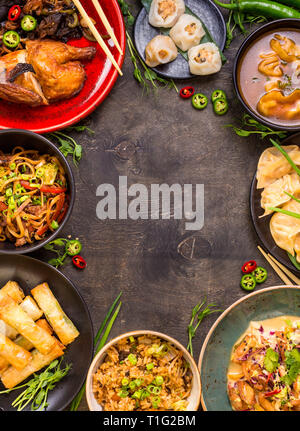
[11,138]
[274,25]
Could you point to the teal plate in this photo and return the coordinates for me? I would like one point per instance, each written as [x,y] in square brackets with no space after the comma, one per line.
[215,354]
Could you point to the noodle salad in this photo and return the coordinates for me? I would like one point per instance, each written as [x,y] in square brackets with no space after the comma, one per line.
[33,196]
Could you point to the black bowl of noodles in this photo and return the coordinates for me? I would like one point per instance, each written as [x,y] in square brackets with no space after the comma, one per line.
[37,191]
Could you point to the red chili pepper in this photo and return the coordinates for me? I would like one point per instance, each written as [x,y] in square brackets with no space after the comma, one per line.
[56,215]
[249,266]
[3,206]
[269,377]
[79,262]
[187,92]
[45,189]
[14,12]
[270,394]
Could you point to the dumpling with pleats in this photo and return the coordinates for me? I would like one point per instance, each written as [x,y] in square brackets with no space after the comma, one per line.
[165,13]
[275,195]
[284,228]
[273,165]
[187,32]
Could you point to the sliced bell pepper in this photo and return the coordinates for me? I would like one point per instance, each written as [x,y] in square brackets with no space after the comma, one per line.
[270,394]
[45,189]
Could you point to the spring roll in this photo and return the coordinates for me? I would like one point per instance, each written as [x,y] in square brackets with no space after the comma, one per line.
[14,354]
[7,330]
[62,325]
[12,376]
[20,341]
[13,290]
[15,316]
[30,306]
[45,325]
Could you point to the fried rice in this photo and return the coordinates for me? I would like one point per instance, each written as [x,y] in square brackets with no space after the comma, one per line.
[143,373]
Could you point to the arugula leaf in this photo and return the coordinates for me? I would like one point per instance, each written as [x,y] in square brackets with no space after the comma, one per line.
[271,360]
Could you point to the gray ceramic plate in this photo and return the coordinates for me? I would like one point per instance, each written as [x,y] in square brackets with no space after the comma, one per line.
[215,354]
[206,10]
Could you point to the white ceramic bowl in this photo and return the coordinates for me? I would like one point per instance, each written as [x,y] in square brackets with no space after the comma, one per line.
[194,398]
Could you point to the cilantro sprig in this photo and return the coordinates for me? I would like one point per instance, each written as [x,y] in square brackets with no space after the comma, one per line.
[292,362]
[271,360]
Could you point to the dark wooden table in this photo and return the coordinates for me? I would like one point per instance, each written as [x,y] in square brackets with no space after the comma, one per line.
[172,143]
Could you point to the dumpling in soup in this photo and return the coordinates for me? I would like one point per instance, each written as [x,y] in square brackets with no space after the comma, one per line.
[187,32]
[275,194]
[160,50]
[204,59]
[165,13]
[273,165]
[284,228]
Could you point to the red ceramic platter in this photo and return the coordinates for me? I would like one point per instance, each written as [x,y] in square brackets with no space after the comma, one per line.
[101,76]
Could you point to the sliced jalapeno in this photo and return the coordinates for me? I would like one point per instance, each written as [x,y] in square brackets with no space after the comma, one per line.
[260,274]
[199,101]
[220,106]
[248,282]
[218,94]
[28,23]
[11,39]
[73,247]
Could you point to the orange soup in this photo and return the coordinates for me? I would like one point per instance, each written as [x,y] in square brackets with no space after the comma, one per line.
[269,77]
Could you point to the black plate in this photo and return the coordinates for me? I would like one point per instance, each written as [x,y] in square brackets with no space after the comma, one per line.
[261,225]
[12,138]
[29,273]
[179,68]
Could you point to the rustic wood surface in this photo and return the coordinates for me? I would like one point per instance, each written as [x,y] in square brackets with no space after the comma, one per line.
[164,140]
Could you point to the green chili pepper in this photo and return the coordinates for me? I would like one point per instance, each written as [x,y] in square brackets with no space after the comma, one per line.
[73,247]
[248,282]
[28,23]
[268,9]
[11,39]
[218,94]
[54,225]
[199,101]
[220,106]
[260,274]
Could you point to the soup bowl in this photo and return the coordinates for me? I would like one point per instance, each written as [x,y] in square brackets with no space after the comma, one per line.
[193,399]
[11,138]
[254,39]
[216,350]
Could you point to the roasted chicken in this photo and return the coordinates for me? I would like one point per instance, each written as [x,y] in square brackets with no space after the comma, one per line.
[43,73]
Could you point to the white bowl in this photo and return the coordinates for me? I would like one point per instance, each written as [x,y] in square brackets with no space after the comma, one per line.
[194,398]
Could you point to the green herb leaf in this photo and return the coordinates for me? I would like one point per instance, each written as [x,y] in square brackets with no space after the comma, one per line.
[271,360]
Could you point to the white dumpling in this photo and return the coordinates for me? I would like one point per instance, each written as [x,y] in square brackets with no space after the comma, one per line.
[187,32]
[160,50]
[273,165]
[165,13]
[204,59]
[284,228]
[274,194]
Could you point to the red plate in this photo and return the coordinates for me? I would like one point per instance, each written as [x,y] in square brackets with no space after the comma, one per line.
[101,76]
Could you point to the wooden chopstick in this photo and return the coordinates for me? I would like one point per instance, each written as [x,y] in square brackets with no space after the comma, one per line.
[96,35]
[285,270]
[283,277]
[107,24]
